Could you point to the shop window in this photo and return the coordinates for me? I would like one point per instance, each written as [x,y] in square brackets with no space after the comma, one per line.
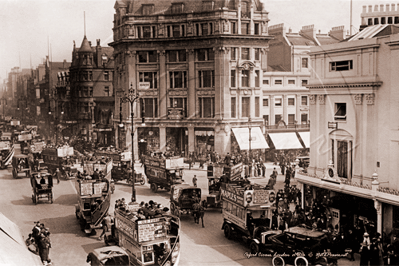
[291,101]
[178,79]
[304,100]
[233,78]
[265,102]
[233,107]
[245,104]
[207,107]
[340,111]
[206,79]
[150,77]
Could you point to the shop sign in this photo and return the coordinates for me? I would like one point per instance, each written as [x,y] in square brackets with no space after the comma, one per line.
[333,125]
[232,196]
[144,85]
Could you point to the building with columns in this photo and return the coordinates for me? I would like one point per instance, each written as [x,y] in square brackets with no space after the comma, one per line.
[354,130]
[197,66]
[381,14]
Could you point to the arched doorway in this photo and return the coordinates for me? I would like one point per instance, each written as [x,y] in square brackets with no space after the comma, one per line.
[341,156]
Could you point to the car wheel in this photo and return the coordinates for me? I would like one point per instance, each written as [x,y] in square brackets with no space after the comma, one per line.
[152,186]
[142,182]
[278,261]
[301,261]
[254,248]
[227,231]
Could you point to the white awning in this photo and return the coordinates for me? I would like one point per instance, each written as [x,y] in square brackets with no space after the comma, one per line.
[258,141]
[285,141]
[305,136]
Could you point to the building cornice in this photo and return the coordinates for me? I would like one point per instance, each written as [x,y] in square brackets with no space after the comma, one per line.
[343,49]
[345,85]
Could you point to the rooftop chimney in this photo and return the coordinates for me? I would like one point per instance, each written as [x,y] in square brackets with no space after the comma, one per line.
[337,33]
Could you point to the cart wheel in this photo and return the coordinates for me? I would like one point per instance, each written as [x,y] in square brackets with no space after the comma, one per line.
[227,231]
[254,248]
[142,182]
[301,261]
[278,261]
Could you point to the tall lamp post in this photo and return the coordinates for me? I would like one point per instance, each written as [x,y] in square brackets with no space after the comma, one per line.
[249,136]
[131,97]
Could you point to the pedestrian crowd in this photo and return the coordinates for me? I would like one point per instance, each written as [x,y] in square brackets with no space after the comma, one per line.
[39,242]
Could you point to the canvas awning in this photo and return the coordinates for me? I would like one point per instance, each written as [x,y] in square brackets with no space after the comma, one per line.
[305,136]
[285,141]
[258,141]
[13,250]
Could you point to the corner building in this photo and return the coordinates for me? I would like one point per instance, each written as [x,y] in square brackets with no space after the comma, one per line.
[197,66]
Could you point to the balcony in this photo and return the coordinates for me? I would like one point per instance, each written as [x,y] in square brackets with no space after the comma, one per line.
[175,113]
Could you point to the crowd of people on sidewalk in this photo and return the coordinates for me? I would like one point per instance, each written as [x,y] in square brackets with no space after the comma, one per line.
[39,242]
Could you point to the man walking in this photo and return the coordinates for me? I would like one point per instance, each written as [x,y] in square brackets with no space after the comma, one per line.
[195,181]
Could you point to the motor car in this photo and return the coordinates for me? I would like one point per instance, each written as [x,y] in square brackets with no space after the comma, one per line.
[296,246]
[303,161]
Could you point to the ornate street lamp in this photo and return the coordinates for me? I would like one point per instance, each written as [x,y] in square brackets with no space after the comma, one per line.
[131,97]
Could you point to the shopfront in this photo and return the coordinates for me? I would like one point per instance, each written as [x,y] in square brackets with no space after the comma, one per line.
[176,141]
[204,141]
[103,136]
[148,139]
[245,139]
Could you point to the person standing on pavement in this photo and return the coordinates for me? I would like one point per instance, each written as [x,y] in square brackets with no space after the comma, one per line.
[263,169]
[58,175]
[106,225]
[195,181]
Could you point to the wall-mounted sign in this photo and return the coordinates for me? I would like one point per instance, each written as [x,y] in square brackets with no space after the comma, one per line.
[333,125]
[144,85]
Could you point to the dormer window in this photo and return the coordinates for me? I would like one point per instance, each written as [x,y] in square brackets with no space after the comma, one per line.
[207,5]
[147,9]
[177,8]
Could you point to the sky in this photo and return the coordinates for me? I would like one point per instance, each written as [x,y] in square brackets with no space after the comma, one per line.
[32,29]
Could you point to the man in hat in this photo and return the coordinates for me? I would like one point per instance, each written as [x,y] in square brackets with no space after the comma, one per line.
[365,250]
[106,225]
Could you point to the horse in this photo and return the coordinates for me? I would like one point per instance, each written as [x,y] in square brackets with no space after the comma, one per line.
[198,212]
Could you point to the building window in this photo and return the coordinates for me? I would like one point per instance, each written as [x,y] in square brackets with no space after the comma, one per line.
[277,118]
[178,79]
[176,30]
[177,8]
[106,91]
[257,54]
[180,103]
[265,82]
[256,29]
[291,82]
[370,21]
[265,102]
[382,20]
[304,100]
[291,119]
[245,10]
[257,103]
[147,56]
[304,118]
[245,54]
[204,28]
[183,30]
[106,75]
[278,82]
[376,21]
[149,77]
[233,107]
[233,78]
[168,31]
[291,101]
[177,56]
[90,75]
[147,9]
[245,78]
[266,119]
[390,20]
[205,54]
[197,29]
[245,104]
[233,53]
[206,79]
[146,32]
[278,102]
[341,65]
[396,20]
[244,28]
[340,111]
[149,107]
[305,62]
[304,82]
[234,27]
[257,78]
[207,107]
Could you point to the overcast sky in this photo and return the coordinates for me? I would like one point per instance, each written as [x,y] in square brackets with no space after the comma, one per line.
[28,25]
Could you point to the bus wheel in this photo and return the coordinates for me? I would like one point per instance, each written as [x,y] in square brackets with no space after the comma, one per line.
[278,261]
[254,248]
[227,231]
[301,261]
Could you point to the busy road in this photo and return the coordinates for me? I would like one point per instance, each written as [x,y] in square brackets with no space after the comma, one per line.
[70,246]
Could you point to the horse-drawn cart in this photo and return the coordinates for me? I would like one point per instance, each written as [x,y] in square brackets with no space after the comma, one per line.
[20,164]
[42,186]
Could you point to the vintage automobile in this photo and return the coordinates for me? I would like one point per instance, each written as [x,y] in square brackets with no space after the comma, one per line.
[182,199]
[121,171]
[296,245]
[20,164]
[112,255]
[303,161]
[42,186]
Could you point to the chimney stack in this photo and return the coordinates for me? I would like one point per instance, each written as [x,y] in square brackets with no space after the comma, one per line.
[337,33]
